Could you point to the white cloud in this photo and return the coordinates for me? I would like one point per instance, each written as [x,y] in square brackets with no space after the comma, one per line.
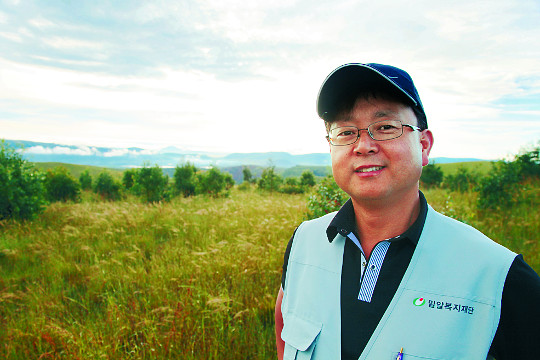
[62,150]
[237,76]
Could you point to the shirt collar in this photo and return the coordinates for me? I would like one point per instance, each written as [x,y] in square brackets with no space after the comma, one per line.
[344,222]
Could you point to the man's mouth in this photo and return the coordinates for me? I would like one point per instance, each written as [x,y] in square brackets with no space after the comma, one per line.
[369,169]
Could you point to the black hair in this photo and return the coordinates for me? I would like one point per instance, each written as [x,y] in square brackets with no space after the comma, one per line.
[346,103]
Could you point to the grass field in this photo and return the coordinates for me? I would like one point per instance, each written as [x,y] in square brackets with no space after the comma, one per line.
[195,278]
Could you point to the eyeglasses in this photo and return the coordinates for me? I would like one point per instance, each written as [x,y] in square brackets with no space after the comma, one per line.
[378,131]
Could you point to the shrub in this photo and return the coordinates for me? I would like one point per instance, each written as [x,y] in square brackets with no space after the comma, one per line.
[85,180]
[528,162]
[248,176]
[328,197]
[22,194]
[291,181]
[432,175]
[499,189]
[269,180]
[307,178]
[152,183]
[229,181]
[107,187]
[463,180]
[185,179]
[61,186]
[212,182]
[291,186]
[128,178]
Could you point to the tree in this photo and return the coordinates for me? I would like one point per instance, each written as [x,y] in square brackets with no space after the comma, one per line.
[307,178]
[153,183]
[22,194]
[500,188]
[462,180]
[128,178]
[528,162]
[248,176]
[107,187]
[185,179]
[270,180]
[229,181]
[212,182]
[292,186]
[432,175]
[85,180]
[61,186]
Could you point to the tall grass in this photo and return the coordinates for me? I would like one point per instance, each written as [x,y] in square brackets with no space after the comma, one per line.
[192,279]
[195,278]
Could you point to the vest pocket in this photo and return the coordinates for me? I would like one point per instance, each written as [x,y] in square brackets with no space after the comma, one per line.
[300,337]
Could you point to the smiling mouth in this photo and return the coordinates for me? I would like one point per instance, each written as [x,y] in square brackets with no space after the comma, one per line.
[369,169]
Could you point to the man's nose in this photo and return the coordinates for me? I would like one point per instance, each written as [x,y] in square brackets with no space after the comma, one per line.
[365,142]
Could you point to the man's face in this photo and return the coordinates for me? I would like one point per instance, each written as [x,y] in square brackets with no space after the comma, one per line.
[370,170]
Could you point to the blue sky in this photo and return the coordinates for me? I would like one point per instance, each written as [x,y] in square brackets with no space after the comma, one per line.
[243,76]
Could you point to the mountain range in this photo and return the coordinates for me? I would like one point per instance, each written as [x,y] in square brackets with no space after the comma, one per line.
[170,157]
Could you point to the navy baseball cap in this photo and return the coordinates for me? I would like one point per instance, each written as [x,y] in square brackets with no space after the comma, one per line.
[355,77]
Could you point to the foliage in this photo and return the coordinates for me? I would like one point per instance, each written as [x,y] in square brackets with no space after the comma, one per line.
[504,186]
[85,179]
[229,181]
[291,185]
[528,162]
[432,175]
[212,182]
[152,183]
[108,187]
[307,178]
[22,194]
[269,180]
[185,180]
[128,178]
[462,180]
[327,197]
[499,189]
[61,186]
[247,175]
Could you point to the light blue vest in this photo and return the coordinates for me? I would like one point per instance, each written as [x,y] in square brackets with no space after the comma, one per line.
[446,307]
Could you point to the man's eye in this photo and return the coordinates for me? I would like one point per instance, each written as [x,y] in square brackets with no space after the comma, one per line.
[347,133]
[386,128]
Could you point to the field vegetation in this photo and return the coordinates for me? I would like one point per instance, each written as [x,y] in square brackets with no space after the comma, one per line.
[195,274]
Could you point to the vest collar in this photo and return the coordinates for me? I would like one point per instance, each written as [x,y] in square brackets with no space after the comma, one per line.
[344,222]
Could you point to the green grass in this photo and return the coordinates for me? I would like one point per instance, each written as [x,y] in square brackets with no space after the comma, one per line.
[479,167]
[76,170]
[195,278]
[192,279]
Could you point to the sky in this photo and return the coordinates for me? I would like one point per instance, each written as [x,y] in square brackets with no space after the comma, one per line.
[229,76]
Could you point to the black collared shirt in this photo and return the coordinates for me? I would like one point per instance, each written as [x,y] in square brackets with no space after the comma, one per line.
[518,330]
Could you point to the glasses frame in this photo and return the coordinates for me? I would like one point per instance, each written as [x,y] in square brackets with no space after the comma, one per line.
[412,127]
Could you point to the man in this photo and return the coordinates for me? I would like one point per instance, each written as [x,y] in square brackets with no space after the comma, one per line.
[387,277]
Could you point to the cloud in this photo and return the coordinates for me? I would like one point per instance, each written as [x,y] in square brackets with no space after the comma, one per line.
[62,150]
[206,74]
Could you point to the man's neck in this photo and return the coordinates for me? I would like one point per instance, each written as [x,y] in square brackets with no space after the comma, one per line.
[378,221]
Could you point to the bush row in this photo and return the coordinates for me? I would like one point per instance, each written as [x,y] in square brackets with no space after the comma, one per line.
[501,188]
[26,191]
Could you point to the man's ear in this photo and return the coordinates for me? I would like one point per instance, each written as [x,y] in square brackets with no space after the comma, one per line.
[426,140]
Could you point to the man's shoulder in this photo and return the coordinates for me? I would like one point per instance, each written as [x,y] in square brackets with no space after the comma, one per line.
[461,234]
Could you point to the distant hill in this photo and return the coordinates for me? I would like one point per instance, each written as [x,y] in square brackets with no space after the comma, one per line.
[170,157]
